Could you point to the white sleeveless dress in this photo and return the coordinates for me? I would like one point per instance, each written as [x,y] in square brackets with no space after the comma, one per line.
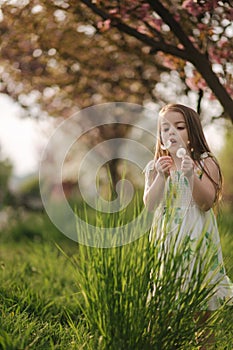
[189,225]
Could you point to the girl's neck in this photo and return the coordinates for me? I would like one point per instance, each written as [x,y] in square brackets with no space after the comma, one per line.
[176,163]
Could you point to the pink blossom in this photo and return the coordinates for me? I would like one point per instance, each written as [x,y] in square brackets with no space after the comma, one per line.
[201,26]
[196,9]
[229,15]
[177,17]
[142,29]
[229,90]
[113,11]
[196,82]
[103,26]
[191,83]
[171,62]
[191,7]
[157,23]
[222,42]
[201,84]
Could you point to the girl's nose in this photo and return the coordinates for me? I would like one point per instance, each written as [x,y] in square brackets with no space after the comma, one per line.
[171,131]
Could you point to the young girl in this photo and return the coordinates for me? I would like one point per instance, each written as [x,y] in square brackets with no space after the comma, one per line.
[183,160]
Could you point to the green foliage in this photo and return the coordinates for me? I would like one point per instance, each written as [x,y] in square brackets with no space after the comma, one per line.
[226,160]
[30,187]
[22,226]
[42,294]
[5,174]
[225,221]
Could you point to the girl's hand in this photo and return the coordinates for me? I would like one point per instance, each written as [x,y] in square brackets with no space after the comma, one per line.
[163,165]
[187,166]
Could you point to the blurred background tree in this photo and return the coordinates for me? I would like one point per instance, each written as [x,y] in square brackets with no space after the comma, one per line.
[66,55]
[53,59]
[6,169]
[226,160]
[52,56]
[191,37]
[61,56]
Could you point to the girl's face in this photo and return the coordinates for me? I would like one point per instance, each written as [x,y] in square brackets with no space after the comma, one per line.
[173,131]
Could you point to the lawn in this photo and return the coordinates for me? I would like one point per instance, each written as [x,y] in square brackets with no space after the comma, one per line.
[56,294]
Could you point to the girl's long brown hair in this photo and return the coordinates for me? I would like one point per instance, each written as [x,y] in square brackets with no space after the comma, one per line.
[197,145]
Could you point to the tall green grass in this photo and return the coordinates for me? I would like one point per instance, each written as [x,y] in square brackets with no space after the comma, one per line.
[144,296]
[79,297]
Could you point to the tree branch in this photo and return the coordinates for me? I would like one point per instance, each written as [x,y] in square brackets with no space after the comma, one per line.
[199,60]
[191,54]
[155,45]
[200,95]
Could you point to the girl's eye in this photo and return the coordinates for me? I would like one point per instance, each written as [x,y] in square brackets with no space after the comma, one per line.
[165,130]
[180,127]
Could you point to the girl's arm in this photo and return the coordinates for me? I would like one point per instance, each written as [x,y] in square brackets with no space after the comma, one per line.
[155,182]
[204,192]
[153,195]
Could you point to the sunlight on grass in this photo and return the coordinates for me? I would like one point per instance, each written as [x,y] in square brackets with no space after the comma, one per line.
[80,297]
